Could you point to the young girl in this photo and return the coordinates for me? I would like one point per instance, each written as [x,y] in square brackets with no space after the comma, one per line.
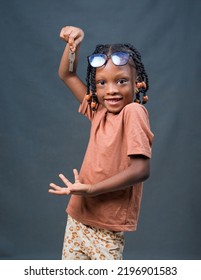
[106,195]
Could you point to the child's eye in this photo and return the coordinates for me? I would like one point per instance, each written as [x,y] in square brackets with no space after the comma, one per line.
[121,81]
[100,82]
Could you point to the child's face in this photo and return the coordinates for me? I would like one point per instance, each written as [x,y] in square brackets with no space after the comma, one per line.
[115,86]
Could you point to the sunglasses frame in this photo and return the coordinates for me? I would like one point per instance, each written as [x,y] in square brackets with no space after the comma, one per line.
[108,56]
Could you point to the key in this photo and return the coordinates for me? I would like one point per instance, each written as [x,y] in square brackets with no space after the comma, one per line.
[71,61]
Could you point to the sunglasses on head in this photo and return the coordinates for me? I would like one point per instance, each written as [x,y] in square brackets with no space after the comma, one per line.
[118,58]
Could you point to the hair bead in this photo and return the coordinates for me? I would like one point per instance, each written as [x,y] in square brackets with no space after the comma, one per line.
[138,85]
[145,98]
[137,101]
[93,105]
[144,85]
[88,97]
[141,85]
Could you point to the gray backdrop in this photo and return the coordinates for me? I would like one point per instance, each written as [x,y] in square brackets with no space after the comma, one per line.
[42,134]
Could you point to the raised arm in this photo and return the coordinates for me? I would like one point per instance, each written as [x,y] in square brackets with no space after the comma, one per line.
[73,36]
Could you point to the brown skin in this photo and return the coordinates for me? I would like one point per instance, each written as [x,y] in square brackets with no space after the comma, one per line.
[115,89]
[115,86]
[73,36]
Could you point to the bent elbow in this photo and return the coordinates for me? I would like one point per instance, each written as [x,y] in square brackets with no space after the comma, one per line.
[61,75]
[146,176]
[145,173]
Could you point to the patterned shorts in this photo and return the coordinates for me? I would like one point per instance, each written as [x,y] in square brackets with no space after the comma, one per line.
[82,242]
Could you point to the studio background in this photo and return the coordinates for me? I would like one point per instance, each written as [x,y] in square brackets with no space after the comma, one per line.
[41,133]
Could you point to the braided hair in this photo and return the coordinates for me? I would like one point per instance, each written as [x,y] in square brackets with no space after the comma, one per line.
[142,83]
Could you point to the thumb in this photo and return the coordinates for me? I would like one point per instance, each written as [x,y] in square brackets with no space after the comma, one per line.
[71,42]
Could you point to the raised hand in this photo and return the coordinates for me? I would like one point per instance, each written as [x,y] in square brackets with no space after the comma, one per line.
[75,188]
[72,35]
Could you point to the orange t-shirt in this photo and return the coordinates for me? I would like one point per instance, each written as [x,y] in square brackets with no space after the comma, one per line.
[113,138]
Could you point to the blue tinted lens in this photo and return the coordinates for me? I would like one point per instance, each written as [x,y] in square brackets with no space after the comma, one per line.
[97,60]
[120,58]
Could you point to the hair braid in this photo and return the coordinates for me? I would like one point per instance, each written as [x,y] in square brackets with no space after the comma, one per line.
[141,74]
[88,79]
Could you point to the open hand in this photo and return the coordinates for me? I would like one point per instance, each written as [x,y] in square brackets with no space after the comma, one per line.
[72,35]
[77,188]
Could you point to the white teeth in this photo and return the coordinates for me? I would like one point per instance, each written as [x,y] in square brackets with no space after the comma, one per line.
[113,100]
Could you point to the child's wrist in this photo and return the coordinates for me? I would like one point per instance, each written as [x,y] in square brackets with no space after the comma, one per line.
[91,190]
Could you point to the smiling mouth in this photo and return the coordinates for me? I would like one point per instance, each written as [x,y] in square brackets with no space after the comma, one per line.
[113,100]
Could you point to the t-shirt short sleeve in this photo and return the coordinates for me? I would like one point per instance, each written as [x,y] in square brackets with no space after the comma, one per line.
[137,130]
[85,109]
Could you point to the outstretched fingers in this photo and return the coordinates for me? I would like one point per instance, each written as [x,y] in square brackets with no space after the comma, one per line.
[65,180]
[69,187]
[58,190]
[76,176]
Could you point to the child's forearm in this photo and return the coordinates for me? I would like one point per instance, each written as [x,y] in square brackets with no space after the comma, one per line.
[137,172]
[71,80]
[64,67]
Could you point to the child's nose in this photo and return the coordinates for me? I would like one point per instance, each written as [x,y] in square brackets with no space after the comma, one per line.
[111,88]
